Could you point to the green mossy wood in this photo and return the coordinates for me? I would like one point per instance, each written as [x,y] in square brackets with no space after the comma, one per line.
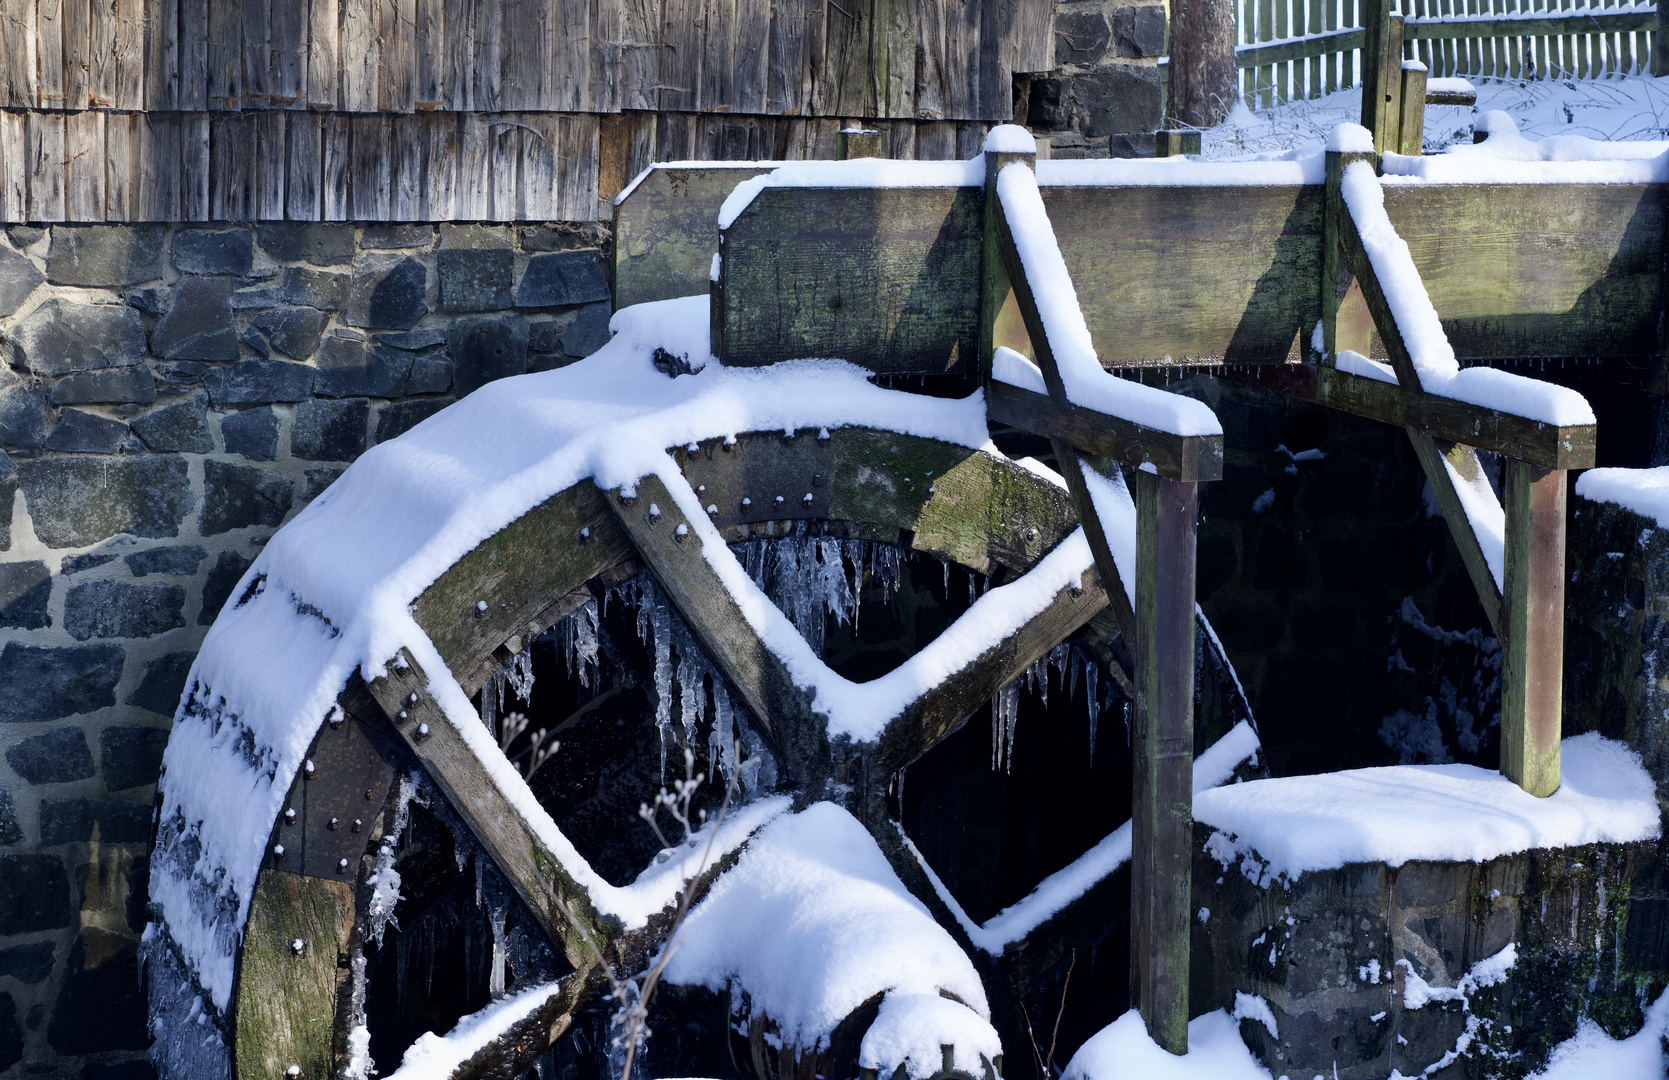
[287,996]
[666,231]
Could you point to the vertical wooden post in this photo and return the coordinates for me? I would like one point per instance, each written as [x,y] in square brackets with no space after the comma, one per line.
[1533,626]
[1412,125]
[851,143]
[1381,73]
[1162,820]
[1175,143]
[1346,322]
[1000,320]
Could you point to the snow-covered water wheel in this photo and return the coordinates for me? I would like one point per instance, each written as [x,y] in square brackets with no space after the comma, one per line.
[308,911]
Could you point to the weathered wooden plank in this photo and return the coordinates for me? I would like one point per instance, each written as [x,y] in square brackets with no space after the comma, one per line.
[289,47]
[751,54]
[194,55]
[1606,22]
[324,65]
[785,79]
[1543,270]
[397,64]
[848,86]
[864,258]
[405,153]
[567,82]
[475,178]
[224,46]
[336,138]
[555,900]
[101,54]
[14,169]
[440,173]
[369,195]
[460,55]
[1175,456]
[270,168]
[996,57]
[1533,626]
[78,58]
[930,36]
[527,55]
[430,43]
[45,134]
[361,53]
[1412,121]
[489,54]
[716,85]
[504,151]
[1161,864]
[49,55]
[680,35]
[232,167]
[84,166]
[893,59]
[1032,37]
[539,168]
[127,65]
[257,51]
[17,54]
[1169,276]
[283,992]
[306,164]
[157,167]
[961,71]
[162,56]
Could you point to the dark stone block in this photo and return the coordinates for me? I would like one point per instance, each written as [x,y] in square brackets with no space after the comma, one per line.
[137,1069]
[1138,31]
[1133,144]
[63,335]
[267,296]
[474,280]
[329,430]
[82,432]
[413,339]
[563,237]
[588,332]
[164,680]
[1119,97]
[318,480]
[28,964]
[100,1007]
[321,245]
[182,426]
[66,821]
[388,292]
[22,417]
[322,289]
[198,251]
[132,756]
[1048,107]
[34,893]
[397,236]
[256,342]
[237,496]
[25,589]
[258,382]
[544,335]
[77,563]
[469,235]
[228,569]
[18,278]
[57,757]
[179,374]
[112,386]
[1080,37]
[165,560]
[293,332]
[560,279]
[23,236]
[107,609]
[198,325]
[486,349]
[397,419]
[431,374]
[152,301]
[252,433]
[349,368]
[11,832]
[104,254]
[8,468]
[11,1036]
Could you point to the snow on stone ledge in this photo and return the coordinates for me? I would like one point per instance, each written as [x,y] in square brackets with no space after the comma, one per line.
[1439,813]
[1643,491]
[811,923]
[859,173]
[1291,169]
[1123,1049]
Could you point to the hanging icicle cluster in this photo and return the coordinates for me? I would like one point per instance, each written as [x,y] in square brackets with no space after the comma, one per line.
[1069,663]
[812,577]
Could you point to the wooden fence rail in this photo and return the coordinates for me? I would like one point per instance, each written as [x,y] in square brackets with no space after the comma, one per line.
[1294,49]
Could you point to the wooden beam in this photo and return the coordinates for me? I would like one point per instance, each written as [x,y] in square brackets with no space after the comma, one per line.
[1176,456]
[1411,125]
[1162,787]
[1000,320]
[1381,67]
[1533,626]
[1437,458]
[558,903]
[286,994]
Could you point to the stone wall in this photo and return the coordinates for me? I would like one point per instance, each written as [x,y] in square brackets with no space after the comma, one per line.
[170,397]
[1106,95]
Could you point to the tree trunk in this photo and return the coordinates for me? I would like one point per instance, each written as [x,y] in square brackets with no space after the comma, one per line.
[1202,73]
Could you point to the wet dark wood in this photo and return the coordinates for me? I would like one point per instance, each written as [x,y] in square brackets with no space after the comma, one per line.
[1533,626]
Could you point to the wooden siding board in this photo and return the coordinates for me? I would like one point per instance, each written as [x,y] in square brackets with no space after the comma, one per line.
[194,55]
[162,56]
[369,197]
[157,167]
[119,166]
[541,146]
[716,84]
[18,49]
[397,66]
[84,166]
[429,41]
[360,55]
[304,163]
[257,52]
[931,42]
[224,48]
[45,134]
[49,55]
[335,138]
[785,61]
[680,35]
[567,80]
[440,147]
[287,30]
[576,164]
[270,170]
[488,70]
[232,168]
[102,74]
[324,76]
[475,191]
[14,171]
[78,58]
[504,151]
[460,55]
[405,148]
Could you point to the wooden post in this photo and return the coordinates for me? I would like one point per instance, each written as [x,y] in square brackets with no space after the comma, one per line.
[853,143]
[1412,125]
[1000,322]
[1161,877]
[1381,73]
[1346,322]
[1533,626]
[1175,143]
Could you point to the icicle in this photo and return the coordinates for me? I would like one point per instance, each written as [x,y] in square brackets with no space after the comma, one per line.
[579,643]
[495,981]
[1005,711]
[1093,700]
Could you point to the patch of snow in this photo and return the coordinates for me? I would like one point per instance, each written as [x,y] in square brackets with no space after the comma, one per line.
[1008,366]
[1591,1052]
[1354,363]
[640,177]
[912,1029]
[1350,139]
[1441,813]
[1010,139]
[1180,172]
[1451,85]
[858,173]
[843,929]
[1251,1007]
[1643,491]
[437,1057]
[1124,1049]
[1415,65]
